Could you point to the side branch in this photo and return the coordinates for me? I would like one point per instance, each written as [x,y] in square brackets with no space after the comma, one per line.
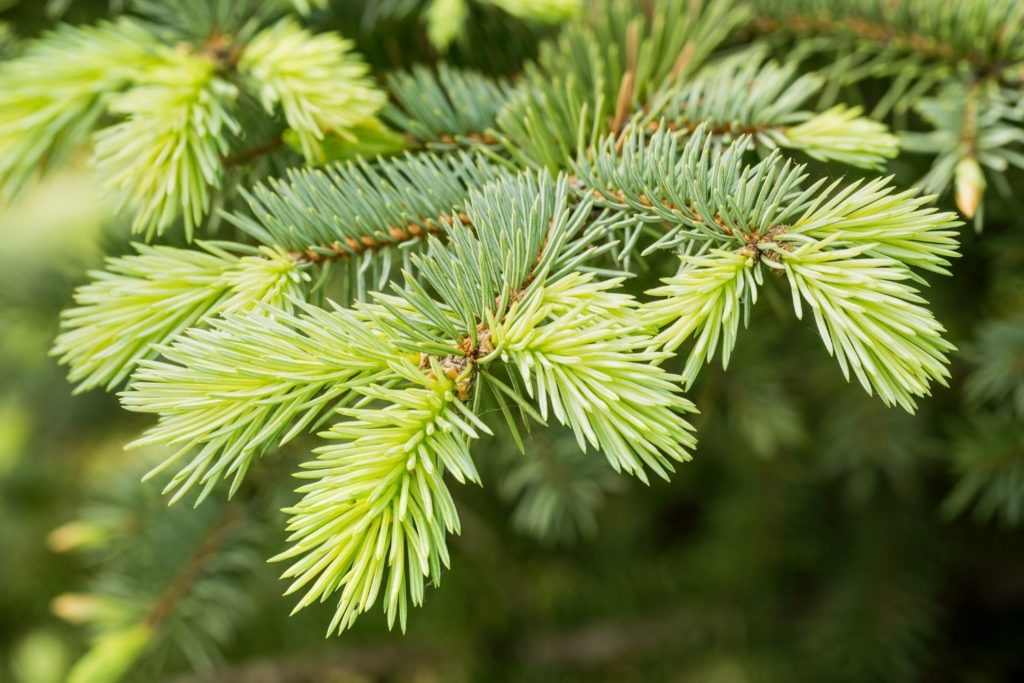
[353,247]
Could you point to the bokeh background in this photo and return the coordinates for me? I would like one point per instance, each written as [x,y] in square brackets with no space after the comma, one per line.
[816,536]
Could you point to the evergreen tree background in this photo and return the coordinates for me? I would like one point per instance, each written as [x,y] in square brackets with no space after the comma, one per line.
[819,533]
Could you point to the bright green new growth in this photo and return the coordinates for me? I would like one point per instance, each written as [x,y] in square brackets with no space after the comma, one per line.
[379,499]
[953,62]
[746,95]
[53,96]
[164,159]
[515,321]
[319,86]
[589,343]
[177,108]
[257,383]
[146,300]
[407,307]
[872,321]
[731,222]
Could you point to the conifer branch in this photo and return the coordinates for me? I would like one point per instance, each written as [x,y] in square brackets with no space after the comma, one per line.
[355,207]
[52,97]
[451,106]
[164,160]
[874,323]
[987,36]
[145,300]
[710,294]
[729,221]
[177,109]
[319,86]
[566,101]
[193,568]
[378,500]
[478,280]
[256,382]
[746,95]
[569,364]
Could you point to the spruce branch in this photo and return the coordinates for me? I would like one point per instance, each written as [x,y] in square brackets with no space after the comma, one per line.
[471,278]
[747,95]
[570,360]
[896,225]
[177,109]
[157,572]
[374,519]
[987,36]
[147,299]
[870,319]
[368,219]
[54,95]
[729,221]
[252,382]
[164,159]
[525,231]
[319,85]
[976,131]
[596,76]
[347,209]
[446,107]
[710,295]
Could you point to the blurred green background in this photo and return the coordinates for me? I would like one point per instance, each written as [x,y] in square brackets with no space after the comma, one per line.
[816,536]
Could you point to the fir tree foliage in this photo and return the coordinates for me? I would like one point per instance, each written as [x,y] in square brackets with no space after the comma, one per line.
[748,95]
[398,305]
[446,19]
[743,220]
[176,105]
[953,62]
[147,299]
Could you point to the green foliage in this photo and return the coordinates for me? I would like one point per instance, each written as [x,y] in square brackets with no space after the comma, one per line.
[314,80]
[870,320]
[731,222]
[570,362]
[998,359]
[157,572]
[556,491]
[988,462]
[949,61]
[149,298]
[378,500]
[745,95]
[586,83]
[451,104]
[246,401]
[178,106]
[974,129]
[52,96]
[446,19]
[404,308]
[164,159]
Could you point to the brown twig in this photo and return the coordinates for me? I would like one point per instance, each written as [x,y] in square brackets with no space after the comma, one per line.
[353,247]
